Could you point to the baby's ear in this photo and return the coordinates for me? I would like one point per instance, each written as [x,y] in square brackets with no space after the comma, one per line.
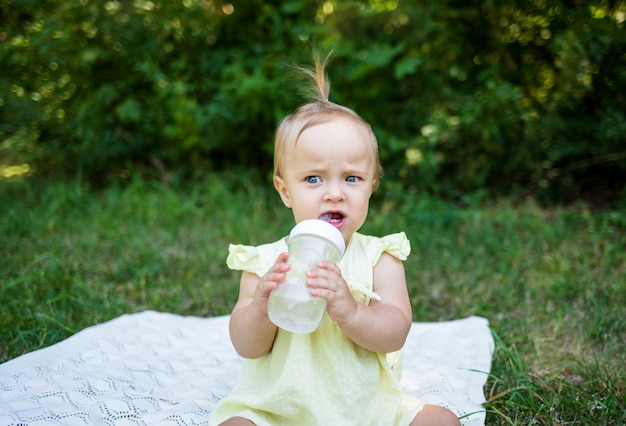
[281,187]
[375,183]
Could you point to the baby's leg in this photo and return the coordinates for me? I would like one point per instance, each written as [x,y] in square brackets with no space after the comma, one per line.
[237,421]
[434,415]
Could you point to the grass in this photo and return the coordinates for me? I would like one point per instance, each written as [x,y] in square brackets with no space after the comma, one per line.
[552,282]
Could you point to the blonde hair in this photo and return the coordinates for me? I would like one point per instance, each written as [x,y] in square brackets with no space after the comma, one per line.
[319,111]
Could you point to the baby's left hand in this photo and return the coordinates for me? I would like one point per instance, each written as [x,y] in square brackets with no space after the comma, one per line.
[327,282]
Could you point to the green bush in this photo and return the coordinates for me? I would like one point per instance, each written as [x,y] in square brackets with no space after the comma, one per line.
[466,97]
[107,86]
[506,96]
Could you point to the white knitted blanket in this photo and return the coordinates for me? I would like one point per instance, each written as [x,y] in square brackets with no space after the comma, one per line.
[162,369]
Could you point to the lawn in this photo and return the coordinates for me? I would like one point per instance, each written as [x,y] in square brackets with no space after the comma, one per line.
[551,281]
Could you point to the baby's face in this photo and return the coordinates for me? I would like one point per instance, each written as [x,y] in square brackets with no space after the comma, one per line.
[330,172]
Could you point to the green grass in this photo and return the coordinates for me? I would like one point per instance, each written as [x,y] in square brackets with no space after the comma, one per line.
[552,282]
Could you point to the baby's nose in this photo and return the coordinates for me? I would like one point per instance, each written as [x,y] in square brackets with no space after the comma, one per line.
[334,192]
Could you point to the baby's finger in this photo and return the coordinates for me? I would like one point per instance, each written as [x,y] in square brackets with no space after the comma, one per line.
[329,266]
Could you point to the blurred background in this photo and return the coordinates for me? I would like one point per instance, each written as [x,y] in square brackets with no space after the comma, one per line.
[503,98]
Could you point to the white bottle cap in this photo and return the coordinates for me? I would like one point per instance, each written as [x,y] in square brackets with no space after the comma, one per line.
[320,228]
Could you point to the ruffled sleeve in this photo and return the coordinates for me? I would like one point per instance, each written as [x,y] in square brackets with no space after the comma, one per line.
[256,260]
[362,254]
[397,245]
[244,258]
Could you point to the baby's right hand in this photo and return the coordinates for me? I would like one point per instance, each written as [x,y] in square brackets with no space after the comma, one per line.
[251,331]
[269,281]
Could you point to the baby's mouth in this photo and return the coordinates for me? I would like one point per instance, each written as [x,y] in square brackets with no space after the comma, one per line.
[332,218]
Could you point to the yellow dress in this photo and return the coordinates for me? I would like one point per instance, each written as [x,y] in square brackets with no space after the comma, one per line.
[321,378]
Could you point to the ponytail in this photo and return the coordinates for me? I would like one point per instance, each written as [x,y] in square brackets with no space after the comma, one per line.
[320,90]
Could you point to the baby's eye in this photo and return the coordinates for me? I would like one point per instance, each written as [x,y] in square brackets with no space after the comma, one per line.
[313,179]
[353,179]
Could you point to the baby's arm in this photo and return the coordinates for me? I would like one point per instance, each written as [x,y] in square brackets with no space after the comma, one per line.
[251,330]
[382,326]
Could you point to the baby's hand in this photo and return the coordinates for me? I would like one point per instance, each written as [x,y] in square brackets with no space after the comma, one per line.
[272,277]
[327,282]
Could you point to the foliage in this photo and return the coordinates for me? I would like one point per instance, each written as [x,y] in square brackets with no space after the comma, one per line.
[109,85]
[497,95]
[466,97]
[551,282]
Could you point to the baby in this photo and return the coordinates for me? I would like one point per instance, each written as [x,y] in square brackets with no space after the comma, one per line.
[326,165]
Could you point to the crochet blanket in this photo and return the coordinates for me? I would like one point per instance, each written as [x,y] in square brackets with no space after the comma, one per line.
[154,368]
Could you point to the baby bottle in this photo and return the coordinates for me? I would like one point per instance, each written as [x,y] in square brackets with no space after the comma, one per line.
[291,306]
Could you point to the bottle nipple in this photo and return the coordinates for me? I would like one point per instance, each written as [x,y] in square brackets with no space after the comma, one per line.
[325,217]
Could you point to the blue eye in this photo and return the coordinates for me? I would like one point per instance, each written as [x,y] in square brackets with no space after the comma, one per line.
[352,179]
[313,179]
